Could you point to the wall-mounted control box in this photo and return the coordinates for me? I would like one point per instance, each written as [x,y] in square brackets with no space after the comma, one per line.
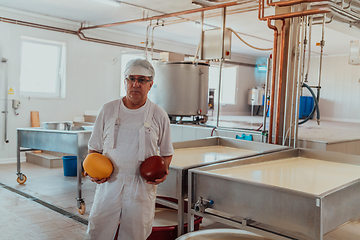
[15,104]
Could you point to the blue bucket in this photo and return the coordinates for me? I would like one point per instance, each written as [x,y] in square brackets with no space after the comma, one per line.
[70,166]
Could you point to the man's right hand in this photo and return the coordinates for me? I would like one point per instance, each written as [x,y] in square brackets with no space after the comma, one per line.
[98,181]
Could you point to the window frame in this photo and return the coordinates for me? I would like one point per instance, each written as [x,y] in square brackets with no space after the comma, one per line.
[61,69]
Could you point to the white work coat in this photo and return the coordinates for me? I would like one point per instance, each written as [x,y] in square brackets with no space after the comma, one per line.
[126,197]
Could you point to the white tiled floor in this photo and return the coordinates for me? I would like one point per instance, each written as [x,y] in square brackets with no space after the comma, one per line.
[22,218]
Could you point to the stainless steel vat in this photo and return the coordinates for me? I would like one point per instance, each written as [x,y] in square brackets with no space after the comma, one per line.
[63,126]
[176,185]
[267,209]
[221,233]
[181,88]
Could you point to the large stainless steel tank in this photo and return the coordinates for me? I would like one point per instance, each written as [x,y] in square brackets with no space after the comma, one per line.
[181,88]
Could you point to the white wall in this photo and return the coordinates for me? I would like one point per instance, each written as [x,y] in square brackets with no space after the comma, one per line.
[92,73]
[340,88]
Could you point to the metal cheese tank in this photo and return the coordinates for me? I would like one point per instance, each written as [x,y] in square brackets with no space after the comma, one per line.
[181,88]
[221,233]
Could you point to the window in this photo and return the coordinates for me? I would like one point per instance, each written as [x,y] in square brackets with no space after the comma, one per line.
[42,68]
[228,83]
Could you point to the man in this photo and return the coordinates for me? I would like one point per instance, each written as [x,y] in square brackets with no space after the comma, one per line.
[127,131]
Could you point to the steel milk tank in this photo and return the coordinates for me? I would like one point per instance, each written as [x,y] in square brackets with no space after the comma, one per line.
[181,88]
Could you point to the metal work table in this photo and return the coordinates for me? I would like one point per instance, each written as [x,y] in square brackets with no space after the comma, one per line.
[292,194]
[71,142]
[188,157]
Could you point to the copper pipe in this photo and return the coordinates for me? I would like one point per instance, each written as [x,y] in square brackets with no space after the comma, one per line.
[289,15]
[216,14]
[293,2]
[230,12]
[272,95]
[35,25]
[281,60]
[164,15]
[298,14]
[282,17]
[290,2]
[73,32]
[118,44]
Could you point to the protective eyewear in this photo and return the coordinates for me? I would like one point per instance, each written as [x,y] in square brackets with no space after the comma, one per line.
[140,80]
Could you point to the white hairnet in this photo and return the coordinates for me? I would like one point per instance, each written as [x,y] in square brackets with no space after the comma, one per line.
[140,66]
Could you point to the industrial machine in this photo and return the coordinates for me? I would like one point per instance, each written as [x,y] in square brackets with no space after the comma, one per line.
[181,89]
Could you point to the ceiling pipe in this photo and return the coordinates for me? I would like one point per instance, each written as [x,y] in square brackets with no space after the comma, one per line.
[147,38]
[35,25]
[317,23]
[118,44]
[182,19]
[229,12]
[257,48]
[273,77]
[281,60]
[282,17]
[293,2]
[152,38]
[298,14]
[162,16]
[73,32]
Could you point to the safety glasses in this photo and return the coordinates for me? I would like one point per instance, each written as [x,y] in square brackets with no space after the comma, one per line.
[140,80]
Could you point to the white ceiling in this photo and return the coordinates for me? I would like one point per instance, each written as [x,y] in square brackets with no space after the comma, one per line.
[246,24]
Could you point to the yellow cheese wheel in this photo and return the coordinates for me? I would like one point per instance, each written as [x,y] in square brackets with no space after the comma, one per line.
[97,166]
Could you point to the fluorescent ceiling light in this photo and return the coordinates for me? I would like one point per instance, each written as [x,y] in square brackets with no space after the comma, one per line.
[109,2]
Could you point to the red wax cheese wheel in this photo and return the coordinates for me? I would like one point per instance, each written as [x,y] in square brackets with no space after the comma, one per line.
[153,168]
[97,166]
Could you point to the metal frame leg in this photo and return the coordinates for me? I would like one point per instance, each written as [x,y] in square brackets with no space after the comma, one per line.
[190,225]
[181,213]
[80,201]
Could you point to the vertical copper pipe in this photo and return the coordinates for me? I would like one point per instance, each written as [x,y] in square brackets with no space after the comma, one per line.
[269,2]
[278,105]
[272,96]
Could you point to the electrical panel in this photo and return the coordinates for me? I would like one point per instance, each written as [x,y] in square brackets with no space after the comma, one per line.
[354,55]
[212,44]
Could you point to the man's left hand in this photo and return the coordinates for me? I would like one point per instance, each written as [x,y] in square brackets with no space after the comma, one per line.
[160,180]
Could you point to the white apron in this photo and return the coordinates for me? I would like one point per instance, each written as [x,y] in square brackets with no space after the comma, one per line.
[126,197]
